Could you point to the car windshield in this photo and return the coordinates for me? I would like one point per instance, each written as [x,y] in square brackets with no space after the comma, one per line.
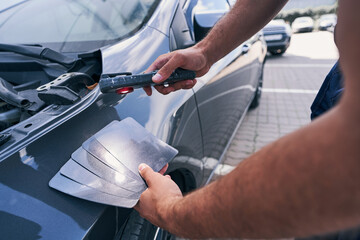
[72,25]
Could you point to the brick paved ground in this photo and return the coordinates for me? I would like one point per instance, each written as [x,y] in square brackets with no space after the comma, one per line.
[291,82]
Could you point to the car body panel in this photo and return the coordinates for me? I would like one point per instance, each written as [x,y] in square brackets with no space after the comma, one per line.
[31,209]
[161,20]
[142,45]
[38,166]
[225,94]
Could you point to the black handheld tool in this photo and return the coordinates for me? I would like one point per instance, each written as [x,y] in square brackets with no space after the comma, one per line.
[125,83]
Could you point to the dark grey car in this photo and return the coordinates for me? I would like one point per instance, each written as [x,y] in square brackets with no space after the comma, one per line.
[44,121]
[277,34]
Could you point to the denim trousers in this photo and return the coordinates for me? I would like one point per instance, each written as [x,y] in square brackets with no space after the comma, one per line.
[329,93]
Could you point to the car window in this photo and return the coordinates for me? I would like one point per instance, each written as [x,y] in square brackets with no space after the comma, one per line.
[67,25]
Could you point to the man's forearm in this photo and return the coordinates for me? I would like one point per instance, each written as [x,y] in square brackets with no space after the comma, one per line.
[245,19]
[305,183]
[301,184]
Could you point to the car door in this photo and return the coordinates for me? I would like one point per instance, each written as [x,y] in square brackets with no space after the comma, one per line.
[223,95]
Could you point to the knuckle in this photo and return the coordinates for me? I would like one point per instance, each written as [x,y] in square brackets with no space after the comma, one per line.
[180,57]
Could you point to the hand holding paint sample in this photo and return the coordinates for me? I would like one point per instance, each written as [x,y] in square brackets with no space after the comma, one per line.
[105,168]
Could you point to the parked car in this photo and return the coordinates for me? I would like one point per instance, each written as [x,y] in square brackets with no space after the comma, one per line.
[277,34]
[327,21]
[302,24]
[45,116]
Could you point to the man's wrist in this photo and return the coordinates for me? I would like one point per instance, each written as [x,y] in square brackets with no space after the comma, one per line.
[204,48]
[167,213]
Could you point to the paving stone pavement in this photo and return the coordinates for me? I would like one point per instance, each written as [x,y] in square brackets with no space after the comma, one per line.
[290,85]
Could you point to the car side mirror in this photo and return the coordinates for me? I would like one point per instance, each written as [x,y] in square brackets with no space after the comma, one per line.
[204,21]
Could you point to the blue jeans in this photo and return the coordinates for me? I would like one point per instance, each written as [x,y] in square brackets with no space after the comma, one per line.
[329,93]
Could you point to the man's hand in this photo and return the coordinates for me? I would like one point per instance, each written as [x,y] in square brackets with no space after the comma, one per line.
[190,59]
[157,201]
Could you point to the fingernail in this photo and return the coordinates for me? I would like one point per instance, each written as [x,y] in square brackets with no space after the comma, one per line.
[157,77]
[189,83]
[142,166]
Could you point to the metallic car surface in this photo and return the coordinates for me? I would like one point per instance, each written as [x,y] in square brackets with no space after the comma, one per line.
[198,122]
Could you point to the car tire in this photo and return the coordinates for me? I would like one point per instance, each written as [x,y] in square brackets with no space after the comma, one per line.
[256,101]
[138,228]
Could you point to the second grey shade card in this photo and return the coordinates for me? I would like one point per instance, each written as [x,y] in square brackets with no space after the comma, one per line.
[76,189]
[105,172]
[76,172]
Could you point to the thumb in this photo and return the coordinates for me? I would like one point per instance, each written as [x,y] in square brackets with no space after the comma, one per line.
[166,70]
[146,173]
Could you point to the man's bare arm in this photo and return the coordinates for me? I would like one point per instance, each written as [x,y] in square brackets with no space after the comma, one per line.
[245,19]
[305,183]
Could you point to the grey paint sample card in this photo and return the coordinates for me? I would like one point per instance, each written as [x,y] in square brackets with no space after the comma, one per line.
[105,168]
[132,144]
[76,172]
[76,189]
[103,171]
[95,148]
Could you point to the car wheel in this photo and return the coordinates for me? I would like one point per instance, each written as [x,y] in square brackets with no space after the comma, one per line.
[256,101]
[138,228]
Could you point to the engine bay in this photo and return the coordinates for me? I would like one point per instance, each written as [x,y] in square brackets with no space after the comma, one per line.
[31,82]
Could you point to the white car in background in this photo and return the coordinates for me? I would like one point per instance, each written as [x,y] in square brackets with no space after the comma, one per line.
[302,24]
[327,22]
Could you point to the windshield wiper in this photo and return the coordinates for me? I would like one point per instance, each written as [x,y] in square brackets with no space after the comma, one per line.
[39,52]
